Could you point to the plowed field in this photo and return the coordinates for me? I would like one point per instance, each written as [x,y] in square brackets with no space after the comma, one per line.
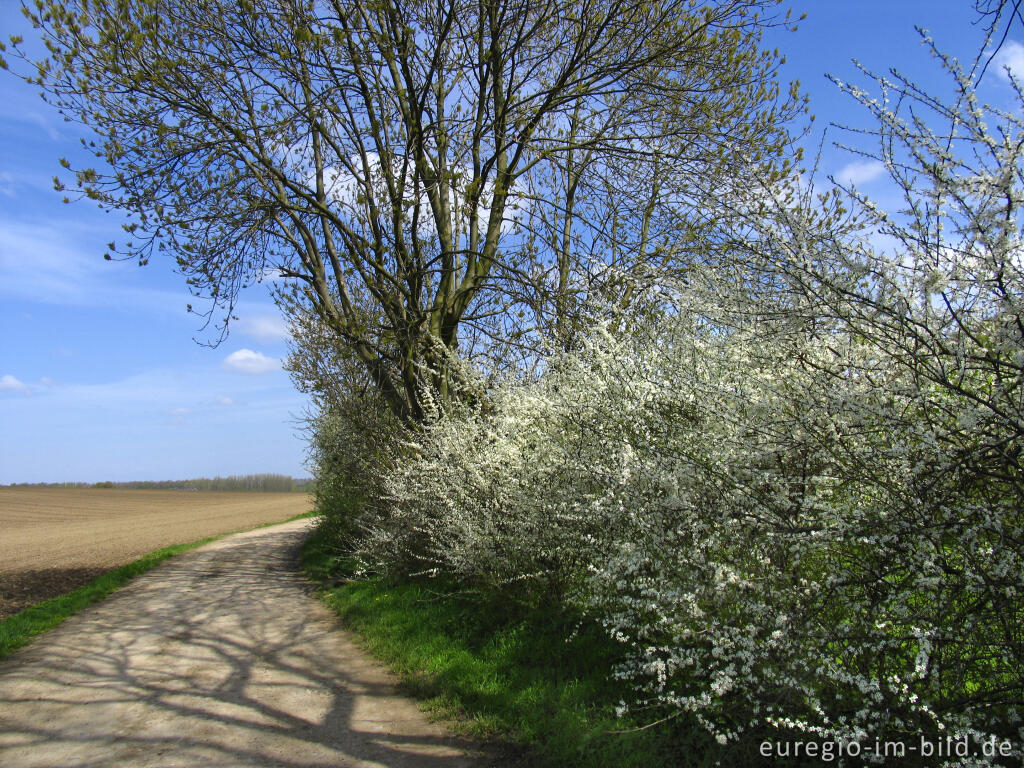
[53,540]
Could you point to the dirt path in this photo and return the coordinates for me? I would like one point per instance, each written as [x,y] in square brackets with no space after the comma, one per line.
[220,657]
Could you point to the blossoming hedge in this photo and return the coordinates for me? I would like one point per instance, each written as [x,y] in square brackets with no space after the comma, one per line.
[794,491]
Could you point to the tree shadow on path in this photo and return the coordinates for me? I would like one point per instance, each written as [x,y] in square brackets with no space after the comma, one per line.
[218,658]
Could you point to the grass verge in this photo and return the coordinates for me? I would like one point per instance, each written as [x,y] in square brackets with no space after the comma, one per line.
[505,675]
[20,628]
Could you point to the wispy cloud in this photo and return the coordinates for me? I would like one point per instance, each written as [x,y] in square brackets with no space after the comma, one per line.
[19,175]
[178,415]
[61,264]
[226,402]
[39,121]
[10,384]
[859,172]
[248,361]
[44,124]
[1010,56]
[161,423]
[264,328]
[197,390]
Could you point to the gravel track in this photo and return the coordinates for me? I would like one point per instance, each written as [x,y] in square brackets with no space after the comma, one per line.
[219,657]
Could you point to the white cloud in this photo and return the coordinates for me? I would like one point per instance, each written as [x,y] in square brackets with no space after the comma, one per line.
[265,328]
[227,402]
[248,361]
[10,384]
[859,172]
[1010,56]
[272,275]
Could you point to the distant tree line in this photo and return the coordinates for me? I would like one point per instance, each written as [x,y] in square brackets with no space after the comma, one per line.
[264,483]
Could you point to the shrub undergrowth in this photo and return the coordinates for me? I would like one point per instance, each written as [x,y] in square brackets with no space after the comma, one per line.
[535,679]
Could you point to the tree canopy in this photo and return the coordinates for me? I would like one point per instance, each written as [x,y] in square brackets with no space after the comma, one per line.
[427,179]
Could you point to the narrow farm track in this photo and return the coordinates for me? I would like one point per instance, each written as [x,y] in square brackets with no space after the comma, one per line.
[219,657]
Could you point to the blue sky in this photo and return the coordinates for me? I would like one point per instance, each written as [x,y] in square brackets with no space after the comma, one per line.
[100,377]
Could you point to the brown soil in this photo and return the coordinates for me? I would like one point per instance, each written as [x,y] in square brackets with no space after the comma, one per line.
[53,540]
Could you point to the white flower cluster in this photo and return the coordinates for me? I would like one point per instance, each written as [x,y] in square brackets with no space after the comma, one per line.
[767,537]
[793,493]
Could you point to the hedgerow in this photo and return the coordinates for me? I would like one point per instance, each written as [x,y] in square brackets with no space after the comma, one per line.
[792,490]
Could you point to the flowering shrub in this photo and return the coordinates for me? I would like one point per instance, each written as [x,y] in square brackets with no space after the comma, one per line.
[769,543]
[852,566]
[794,491]
[508,499]
[348,450]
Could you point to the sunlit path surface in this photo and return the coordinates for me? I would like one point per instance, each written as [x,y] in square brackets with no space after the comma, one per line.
[220,657]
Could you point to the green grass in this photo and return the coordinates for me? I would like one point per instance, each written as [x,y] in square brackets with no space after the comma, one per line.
[506,674]
[20,628]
